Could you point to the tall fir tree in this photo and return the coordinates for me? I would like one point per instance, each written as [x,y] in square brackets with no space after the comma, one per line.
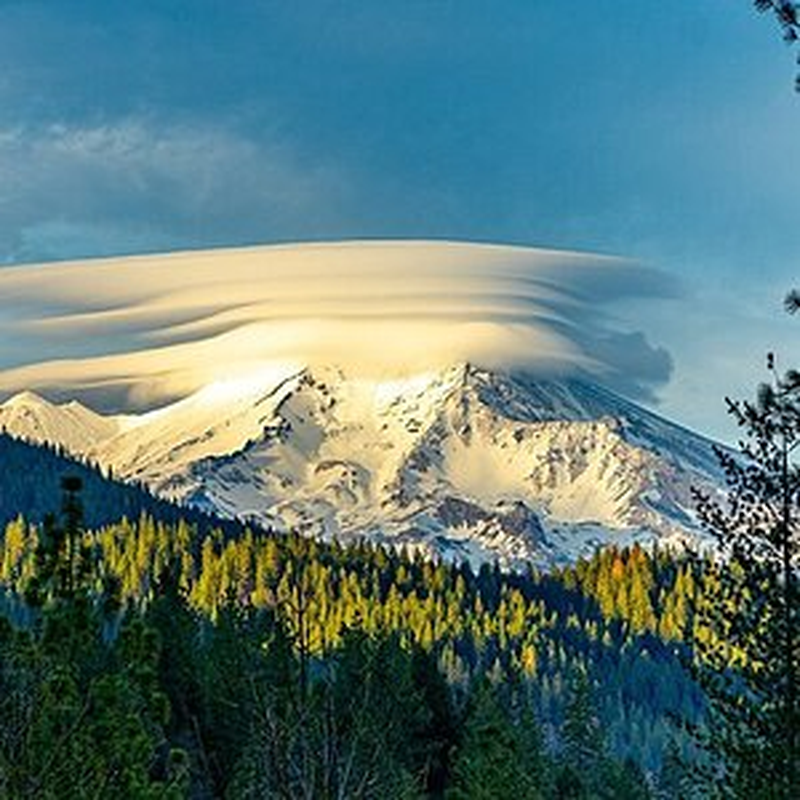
[747,641]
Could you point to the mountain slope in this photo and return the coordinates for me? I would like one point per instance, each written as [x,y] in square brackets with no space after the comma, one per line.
[30,485]
[159,446]
[463,463]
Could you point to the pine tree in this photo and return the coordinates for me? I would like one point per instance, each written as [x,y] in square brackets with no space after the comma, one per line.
[583,744]
[749,648]
[496,757]
[82,713]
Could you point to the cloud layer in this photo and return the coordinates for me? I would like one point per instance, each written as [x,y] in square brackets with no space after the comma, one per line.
[137,331]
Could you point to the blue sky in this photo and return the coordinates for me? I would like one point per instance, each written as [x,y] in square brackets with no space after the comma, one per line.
[664,132]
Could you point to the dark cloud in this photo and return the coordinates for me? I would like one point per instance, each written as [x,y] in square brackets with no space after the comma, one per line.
[137,187]
[448,120]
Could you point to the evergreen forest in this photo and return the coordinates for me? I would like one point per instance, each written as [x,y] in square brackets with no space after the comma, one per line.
[160,656]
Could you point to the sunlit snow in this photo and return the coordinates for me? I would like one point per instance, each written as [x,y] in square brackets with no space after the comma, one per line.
[136,332]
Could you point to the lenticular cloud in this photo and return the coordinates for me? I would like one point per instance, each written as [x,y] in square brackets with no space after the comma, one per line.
[140,330]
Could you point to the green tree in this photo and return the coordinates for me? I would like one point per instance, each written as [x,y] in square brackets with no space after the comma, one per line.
[497,756]
[582,740]
[82,714]
[355,728]
[585,770]
[747,649]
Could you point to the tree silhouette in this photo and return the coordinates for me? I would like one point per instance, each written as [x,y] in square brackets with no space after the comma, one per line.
[787,15]
[747,620]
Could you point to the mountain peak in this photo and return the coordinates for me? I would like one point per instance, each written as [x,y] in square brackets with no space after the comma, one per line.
[26,398]
[465,462]
[29,416]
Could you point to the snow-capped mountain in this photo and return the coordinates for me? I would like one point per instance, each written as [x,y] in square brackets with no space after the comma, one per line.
[463,463]
[72,425]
